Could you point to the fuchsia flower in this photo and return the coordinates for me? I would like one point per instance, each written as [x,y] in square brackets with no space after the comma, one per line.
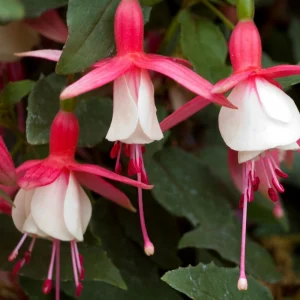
[51,203]
[134,120]
[266,119]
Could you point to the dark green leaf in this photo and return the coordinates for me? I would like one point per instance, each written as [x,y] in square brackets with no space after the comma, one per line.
[226,241]
[34,8]
[93,111]
[187,188]
[33,289]
[15,91]
[93,41]
[140,274]
[97,265]
[161,226]
[204,45]
[11,10]
[210,282]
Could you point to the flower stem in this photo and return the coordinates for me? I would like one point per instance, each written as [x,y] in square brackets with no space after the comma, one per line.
[219,14]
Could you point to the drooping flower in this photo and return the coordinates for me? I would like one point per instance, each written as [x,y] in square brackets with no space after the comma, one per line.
[52,204]
[266,119]
[134,122]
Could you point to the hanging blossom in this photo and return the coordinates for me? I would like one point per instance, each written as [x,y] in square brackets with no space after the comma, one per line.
[266,119]
[51,203]
[134,122]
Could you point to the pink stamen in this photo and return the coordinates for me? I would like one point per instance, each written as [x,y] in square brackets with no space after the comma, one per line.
[148,245]
[276,167]
[78,284]
[281,174]
[255,183]
[118,168]
[79,261]
[57,276]
[265,171]
[132,170]
[15,252]
[273,195]
[115,150]
[242,278]
[25,259]
[47,287]
[277,185]
[275,181]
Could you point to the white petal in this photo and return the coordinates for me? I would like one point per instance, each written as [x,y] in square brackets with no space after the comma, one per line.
[20,212]
[247,155]
[250,128]
[125,113]
[47,208]
[147,110]
[86,209]
[16,37]
[31,228]
[77,209]
[276,103]
[138,137]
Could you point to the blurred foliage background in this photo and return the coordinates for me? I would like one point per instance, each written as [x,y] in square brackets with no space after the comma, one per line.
[192,213]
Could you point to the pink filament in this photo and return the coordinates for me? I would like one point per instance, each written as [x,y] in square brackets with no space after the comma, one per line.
[57,277]
[15,252]
[48,282]
[26,258]
[246,187]
[77,283]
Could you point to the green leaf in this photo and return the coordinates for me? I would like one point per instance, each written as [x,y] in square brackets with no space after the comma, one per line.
[140,274]
[11,10]
[93,111]
[204,45]
[226,241]
[34,8]
[93,41]
[210,282]
[98,266]
[161,226]
[13,92]
[33,289]
[186,187]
